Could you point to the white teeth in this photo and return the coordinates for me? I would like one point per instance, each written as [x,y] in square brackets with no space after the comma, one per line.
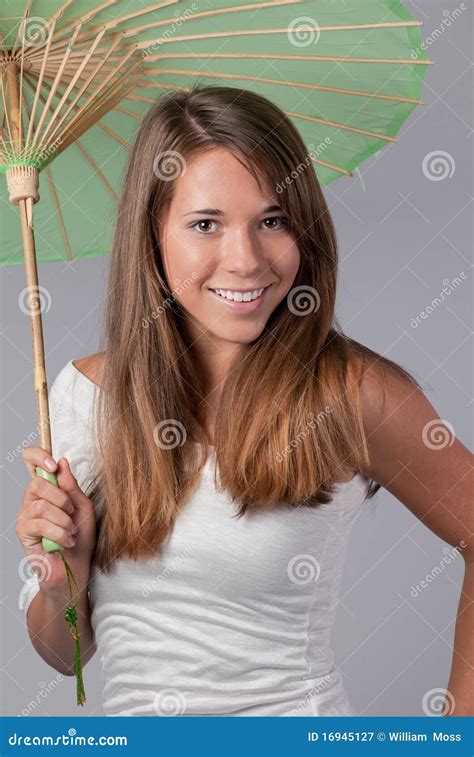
[240,296]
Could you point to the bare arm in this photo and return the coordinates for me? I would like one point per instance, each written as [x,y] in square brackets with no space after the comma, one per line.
[417,457]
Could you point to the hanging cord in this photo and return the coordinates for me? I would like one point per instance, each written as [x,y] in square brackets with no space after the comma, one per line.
[71,617]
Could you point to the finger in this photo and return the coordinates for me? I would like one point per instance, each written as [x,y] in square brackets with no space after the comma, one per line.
[33,456]
[68,482]
[40,508]
[40,488]
[40,527]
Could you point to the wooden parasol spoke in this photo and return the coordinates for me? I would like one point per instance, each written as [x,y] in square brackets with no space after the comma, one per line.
[285,30]
[68,90]
[40,82]
[284,82]
[21,26]
[52,91]
[94,98]
[284,56]
[86,17]
[97,170]
[85,152]
[163,22]
[55,17]
[85,124]
[92,76]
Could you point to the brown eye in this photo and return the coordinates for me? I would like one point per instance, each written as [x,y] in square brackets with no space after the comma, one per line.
[206,222]
[282,219]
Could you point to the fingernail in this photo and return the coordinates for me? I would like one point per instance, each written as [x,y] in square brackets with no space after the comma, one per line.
[74,529]
[50,464]
[71,541]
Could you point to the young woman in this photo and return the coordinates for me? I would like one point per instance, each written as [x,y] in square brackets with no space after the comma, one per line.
[213,456]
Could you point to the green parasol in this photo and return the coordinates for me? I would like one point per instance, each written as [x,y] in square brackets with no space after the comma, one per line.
[78,76]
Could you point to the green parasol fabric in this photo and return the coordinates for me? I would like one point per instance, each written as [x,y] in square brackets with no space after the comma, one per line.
[347,73]
[78,76]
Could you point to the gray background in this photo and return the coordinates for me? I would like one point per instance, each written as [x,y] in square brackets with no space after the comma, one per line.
[400,235]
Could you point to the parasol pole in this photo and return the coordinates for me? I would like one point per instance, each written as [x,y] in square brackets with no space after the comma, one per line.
[23,184]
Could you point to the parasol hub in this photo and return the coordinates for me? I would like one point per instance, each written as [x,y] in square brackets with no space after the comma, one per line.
[22,183]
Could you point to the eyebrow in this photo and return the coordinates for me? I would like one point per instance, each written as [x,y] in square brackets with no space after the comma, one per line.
[216,212]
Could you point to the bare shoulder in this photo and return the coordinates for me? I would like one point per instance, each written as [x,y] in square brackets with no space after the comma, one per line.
[383,390]
[91,366]
[415,454]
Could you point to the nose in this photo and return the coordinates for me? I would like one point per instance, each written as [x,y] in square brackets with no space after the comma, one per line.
[242,253]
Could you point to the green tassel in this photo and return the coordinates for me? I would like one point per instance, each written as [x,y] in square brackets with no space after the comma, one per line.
[71,617]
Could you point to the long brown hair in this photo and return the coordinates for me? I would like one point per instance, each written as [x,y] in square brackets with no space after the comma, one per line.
[289,419]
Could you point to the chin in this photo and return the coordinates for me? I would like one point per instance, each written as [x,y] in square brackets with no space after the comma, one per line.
[245,336]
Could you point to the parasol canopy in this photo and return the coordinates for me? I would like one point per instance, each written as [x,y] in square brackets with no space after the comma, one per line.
[85,72]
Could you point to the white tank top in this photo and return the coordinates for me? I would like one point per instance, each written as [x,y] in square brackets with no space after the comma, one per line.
[232,616]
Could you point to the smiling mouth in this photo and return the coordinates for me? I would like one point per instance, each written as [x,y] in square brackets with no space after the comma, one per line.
[243,292]
[244,305]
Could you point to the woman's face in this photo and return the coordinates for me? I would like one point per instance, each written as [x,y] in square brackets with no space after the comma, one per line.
[222,232]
